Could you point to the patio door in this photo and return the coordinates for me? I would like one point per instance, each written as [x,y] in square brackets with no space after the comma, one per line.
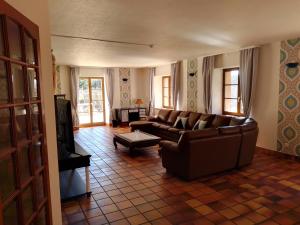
[24,179]
[91,107]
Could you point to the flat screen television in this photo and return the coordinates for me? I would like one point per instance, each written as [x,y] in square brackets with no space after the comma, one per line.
[64,128]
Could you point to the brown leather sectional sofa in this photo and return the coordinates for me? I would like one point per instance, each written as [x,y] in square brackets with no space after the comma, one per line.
[225,143]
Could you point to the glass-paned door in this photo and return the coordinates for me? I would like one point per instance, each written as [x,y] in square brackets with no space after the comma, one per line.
[23,156]
[91,106]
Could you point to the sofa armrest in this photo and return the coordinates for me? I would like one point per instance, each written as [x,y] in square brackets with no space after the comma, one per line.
[169,146]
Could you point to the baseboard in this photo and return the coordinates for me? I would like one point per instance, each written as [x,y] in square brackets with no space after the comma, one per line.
[277,154]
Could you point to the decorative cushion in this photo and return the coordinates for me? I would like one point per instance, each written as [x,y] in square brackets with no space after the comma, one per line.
[173,116]
[163,115]
[200,124]
[235,121]
[180,122]
[207,117]
[220,121]
[193,118]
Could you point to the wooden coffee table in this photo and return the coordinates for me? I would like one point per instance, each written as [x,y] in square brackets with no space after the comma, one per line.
[136,139]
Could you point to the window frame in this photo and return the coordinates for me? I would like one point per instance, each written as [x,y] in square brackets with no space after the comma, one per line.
[169,92]
[238,113]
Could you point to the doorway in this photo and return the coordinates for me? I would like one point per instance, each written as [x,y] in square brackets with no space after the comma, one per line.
[91,106]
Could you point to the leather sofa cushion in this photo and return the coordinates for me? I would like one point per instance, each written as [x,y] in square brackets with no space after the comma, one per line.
[184,114]
[192,119]
[249,126]
[220,121]
[164,127]
[173,116]
[163,115]
[235,121]
[229,130]
[175,130]
[207,117]
[198,134]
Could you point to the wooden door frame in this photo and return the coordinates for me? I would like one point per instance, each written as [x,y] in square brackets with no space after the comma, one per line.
[91,124]
[25,25]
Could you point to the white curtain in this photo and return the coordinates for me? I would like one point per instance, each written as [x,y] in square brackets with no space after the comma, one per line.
[248,74]
[109,85]
[152,92]
[207,71]
[175,80]
[74,95]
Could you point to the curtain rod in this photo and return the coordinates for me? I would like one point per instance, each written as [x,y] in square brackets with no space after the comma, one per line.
[102,40]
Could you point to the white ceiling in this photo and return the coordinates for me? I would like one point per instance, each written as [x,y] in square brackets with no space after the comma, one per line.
[178,29]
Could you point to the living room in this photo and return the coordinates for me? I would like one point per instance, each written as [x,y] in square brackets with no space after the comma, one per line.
[160,112]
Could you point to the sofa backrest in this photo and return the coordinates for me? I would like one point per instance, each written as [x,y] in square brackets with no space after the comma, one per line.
[192,119]
[220,121]
[163,115]
[173,116]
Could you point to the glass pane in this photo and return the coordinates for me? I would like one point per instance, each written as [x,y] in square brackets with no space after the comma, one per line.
[1,38]
[10,214]
[40,188]
[18,82]
[5,127]
[24,163]
[166,102]
[7,174]
[98,108]
[32,81]
[35,114]
[231,105]
[29,47]
[41,219]
[231,91]
[165,82]
[27,203]
[37,154]
[21,119]
[232,77]
[84,102]
[13,31]
[166,92]
[3,83]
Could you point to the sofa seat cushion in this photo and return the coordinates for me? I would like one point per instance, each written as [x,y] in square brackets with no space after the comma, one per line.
[163,115]
[229,130]
[175,130]
[192,119]
[173,116]
[220,121]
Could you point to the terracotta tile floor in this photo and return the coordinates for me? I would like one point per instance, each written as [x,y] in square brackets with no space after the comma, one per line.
[136,190]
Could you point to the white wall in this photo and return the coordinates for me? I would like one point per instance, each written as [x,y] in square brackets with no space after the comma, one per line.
[38,12]
[265,105]
[140,85]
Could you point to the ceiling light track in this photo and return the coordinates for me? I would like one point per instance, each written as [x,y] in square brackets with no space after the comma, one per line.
[102,40]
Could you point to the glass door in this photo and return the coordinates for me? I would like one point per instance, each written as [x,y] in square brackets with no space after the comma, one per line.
[24,175]
[91,106]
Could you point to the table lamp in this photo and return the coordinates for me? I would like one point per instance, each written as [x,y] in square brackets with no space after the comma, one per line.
[139,102]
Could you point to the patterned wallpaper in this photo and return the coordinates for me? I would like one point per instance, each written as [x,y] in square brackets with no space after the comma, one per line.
[125,96]
[192,67]
[57,81]
[289,99]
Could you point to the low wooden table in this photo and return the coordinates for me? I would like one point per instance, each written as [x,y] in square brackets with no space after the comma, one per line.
[136,139]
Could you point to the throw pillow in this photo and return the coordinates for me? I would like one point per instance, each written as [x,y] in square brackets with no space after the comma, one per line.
[180,122]
[200,125]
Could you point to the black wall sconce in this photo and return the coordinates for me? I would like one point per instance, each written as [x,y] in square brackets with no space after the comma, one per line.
[125,79]
[192,74]
[292,64]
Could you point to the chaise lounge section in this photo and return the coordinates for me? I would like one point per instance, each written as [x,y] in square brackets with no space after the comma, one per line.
[225,143]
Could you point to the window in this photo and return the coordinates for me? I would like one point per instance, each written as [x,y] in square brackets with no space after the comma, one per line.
[166,91]
[232,104]
[91,106]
